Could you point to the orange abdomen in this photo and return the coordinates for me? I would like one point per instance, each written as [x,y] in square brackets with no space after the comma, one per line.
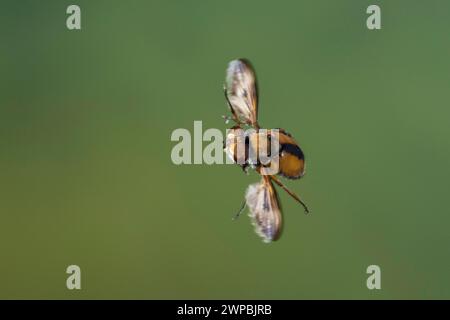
[292,159]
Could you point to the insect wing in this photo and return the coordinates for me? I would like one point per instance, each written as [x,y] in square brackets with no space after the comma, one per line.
[265,211]
[242,91]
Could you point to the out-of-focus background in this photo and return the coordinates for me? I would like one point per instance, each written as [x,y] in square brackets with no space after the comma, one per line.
[86,176]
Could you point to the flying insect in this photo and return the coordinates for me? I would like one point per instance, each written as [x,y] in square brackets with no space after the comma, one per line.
[241,94]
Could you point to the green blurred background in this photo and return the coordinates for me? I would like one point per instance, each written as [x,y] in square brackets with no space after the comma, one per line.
[86,174]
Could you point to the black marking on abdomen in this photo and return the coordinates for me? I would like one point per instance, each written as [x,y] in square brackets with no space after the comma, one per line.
[293,149]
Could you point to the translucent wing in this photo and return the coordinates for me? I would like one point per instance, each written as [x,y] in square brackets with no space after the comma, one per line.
[265,212]
[242,91]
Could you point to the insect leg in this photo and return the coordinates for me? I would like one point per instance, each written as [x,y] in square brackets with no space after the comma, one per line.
[293,195]
[245,168]
[244,203]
